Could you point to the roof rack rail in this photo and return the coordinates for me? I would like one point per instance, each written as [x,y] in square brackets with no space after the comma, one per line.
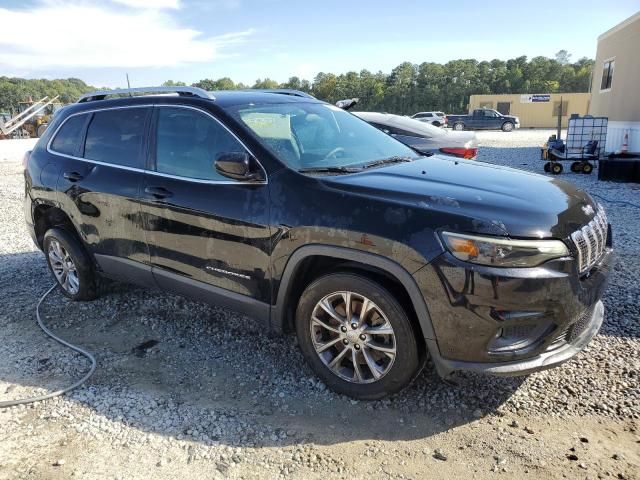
[183,91]
[283,91]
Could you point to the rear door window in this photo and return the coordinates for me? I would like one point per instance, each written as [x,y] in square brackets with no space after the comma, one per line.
[67,140]
[116,137]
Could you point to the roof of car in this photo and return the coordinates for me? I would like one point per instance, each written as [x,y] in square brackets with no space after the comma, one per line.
[221,97]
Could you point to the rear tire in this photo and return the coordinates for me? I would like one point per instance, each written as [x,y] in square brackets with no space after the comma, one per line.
[587,168]
[70,265]
[576,167]
[345,350]
[436,123]
[547,167]
[556,168]
[507,127]
[458,126]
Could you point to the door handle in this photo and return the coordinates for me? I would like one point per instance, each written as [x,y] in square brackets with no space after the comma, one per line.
[72,176]
[158,192]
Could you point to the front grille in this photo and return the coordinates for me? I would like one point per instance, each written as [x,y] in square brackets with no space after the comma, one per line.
[578,327]
[590,241]
[569,333]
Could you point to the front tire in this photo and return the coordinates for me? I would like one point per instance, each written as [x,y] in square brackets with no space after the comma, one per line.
[507,127]
[70,265]
[356,336]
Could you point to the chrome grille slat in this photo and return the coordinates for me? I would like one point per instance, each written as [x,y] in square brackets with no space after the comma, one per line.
[591,240]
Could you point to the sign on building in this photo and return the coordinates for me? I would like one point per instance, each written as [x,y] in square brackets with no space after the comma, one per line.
[535,98]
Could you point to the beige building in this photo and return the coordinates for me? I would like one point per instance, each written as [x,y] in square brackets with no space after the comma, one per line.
[616,83]
[535,110]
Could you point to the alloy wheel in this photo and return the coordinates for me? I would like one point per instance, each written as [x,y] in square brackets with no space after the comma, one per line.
[63,267]
[353,337]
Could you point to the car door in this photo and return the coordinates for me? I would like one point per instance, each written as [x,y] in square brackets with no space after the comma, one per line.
[475,120]
[208,235]
[99,186]
[491,119]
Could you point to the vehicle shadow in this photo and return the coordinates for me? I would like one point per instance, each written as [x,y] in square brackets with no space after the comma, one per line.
[191,371]
[207,375]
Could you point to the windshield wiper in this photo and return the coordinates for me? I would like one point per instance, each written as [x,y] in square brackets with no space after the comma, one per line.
[329,170]
[385,161]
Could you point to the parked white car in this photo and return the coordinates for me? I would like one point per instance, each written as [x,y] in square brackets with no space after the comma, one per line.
[422,136]
[437,119]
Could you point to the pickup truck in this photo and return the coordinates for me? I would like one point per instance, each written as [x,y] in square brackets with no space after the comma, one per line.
[483,118]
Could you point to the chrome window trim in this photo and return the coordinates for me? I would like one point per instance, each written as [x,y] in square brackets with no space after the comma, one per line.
[153,172]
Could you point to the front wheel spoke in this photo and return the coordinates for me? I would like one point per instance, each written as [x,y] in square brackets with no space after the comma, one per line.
[381,348]
[338,358]
[366,306]
[346,297]
[327,307]
[357,373]
[325,325]
[73,281]
[321,347]
[385,329]
[58,250]
[373,367]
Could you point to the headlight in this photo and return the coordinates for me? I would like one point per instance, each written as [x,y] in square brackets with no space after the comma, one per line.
[503,252]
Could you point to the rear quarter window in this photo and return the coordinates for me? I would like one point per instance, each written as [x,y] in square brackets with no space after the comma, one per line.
[67,139]
[116,136]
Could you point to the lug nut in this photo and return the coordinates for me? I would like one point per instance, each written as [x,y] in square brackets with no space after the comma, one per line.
[345,341]
[357,347]
[363,336]
[354,325]
[343,329]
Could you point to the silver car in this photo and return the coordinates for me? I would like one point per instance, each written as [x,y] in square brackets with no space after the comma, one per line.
[437,119]
[422,136]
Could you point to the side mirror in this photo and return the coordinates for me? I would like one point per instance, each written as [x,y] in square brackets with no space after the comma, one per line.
[236,165]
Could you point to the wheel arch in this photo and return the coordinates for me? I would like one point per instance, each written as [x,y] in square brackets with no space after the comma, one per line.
[46,216]
[344,259]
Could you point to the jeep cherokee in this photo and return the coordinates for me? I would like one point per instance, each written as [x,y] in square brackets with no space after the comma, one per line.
[312,221]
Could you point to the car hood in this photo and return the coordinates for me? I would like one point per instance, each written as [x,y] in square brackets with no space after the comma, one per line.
[493,199]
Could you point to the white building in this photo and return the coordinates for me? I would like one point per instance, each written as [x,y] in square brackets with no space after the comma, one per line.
[616,84]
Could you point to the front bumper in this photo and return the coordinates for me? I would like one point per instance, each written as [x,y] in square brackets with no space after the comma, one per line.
[510,321]
[543,361]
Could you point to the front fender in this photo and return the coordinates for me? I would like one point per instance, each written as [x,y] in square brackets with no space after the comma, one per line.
[278,311]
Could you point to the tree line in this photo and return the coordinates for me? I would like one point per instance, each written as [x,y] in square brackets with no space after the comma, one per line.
[407,89]
[16,90]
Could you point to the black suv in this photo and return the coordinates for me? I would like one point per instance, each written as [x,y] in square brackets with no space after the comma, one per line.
[308,219]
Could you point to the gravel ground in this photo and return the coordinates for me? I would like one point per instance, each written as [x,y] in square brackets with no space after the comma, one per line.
[184,388]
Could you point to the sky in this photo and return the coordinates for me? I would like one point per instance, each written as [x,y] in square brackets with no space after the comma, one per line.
[99,41]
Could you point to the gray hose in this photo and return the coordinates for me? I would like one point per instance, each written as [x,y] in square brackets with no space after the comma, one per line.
[24,401]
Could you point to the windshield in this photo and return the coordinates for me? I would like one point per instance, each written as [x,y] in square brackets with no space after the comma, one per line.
[317,136]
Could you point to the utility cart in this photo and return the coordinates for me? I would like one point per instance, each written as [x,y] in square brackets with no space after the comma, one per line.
[585,143]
